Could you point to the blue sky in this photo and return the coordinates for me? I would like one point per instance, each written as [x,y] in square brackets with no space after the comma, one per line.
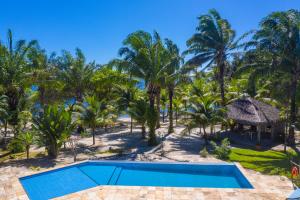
[98,27]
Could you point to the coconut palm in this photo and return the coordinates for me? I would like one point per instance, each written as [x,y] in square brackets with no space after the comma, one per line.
[93,113]
[144,58]
[172,76]
[277,51]
[54,126]
[76,75]
[202,112]
[14,68]
[127,93]
[26,139]
[212,45]
[138,111]
[4,112]
[43,76]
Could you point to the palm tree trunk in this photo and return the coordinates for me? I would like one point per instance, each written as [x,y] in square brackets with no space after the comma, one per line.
[205,135]
[171,128]
[293,110]
[131,124]
[27,151]
[42,95]
[158,108]
[5,128]
[143,131]
[93,130]
[221,80]
[152,137]
[176,117]
[53,150]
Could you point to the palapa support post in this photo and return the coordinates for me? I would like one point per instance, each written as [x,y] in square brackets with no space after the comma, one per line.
[259,134]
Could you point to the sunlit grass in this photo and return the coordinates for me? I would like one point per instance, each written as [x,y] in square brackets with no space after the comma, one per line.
[267,162]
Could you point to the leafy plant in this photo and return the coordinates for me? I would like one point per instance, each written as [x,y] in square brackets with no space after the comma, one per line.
[204,152]
[222,151]
[15,146]
[138,111]
[93,113]
[53,125]
[26,139]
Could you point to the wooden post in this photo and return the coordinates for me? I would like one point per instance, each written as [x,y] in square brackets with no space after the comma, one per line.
[258,134]
[273,132]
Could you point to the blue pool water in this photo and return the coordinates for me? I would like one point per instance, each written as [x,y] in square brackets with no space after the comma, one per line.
[86,175]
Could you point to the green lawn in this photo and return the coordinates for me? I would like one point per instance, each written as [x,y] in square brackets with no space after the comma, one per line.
[267,162]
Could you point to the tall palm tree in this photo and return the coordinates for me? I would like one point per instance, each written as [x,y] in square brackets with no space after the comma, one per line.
[93,113]
[277,51]
[212,45]
[4,112]
[203,111]
[144,58]
[127,94]
[43,76]
[172,76]
[76,74]
[13,67]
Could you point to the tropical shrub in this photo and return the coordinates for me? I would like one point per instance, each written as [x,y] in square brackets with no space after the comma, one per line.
[204,152]
[222,151]
[54,126]
[26,139]
[15,146]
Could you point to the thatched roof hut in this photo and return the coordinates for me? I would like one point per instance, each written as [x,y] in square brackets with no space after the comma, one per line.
[249,111]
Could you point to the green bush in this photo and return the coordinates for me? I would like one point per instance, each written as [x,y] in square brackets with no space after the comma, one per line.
[16,146]
[291,154]
[204,152]
[222,151]
[84,134]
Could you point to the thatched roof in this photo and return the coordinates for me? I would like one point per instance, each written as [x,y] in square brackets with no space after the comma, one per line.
[249,111]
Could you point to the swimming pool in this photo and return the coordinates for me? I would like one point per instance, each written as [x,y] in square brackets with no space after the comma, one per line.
[90,174]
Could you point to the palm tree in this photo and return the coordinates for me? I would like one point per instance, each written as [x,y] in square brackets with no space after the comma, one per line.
[277,51]
[144,58]
[138,111]
[202,112]
[76,75]
[27,139]
[14,65]
[172,75]
[127,94]
[43,76]
[4,112]
[93,113]
[212,45]
[54,126]
[163,100]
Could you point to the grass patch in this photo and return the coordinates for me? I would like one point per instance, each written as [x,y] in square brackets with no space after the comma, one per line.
[22,155]
[267,162]
[111,151]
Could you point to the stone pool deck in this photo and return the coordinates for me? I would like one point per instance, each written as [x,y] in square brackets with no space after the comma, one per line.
[265,187]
